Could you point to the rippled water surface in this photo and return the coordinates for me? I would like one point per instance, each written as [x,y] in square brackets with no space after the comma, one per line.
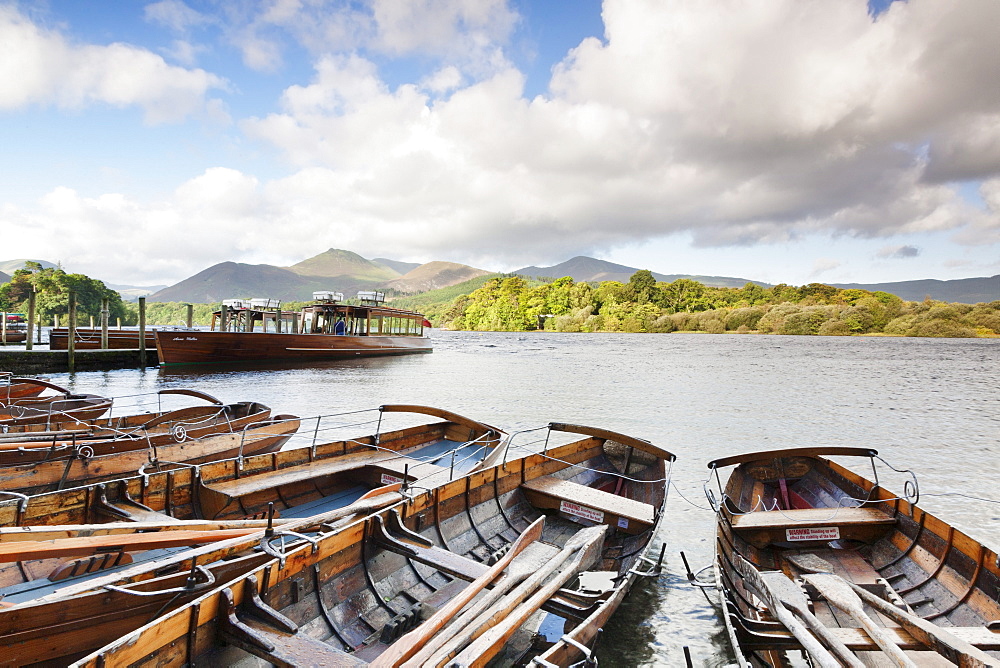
[930,405]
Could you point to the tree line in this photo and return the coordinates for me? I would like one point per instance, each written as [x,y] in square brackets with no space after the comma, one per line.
[512,303]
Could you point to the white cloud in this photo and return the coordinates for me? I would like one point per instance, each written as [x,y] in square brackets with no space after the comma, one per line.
[176,15]
[742,122]
[898,252]
[824,265]
[737,122]
[43,68]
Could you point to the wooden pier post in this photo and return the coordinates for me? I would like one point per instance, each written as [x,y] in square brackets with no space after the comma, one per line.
[142,332]
[295,323]
[223,314]
[104,324]
[190,316]
[71,339]
[277,319]
[55,320]
[31,320]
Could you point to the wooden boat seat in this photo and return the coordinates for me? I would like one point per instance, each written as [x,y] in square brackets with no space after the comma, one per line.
[812,524]
[628,515]
[263,481]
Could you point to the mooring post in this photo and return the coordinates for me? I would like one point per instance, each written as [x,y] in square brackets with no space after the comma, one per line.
[31,320]
[142,332]
[190,316]
[104,324]
[223,313]
[71,330]
[277,319]
[295,323]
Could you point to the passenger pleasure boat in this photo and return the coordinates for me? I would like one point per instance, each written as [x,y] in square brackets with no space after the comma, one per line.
[811,556]
[14,328]
[326,329]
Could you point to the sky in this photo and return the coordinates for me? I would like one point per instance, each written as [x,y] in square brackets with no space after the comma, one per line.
[785,141]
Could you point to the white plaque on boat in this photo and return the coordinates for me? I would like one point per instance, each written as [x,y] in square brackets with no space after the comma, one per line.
[586,513]
[390,479]
[814,533]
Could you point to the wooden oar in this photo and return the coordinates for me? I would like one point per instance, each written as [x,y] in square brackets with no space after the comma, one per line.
[369,503]
[836,590]
[407,646]
[28,550]
[581,544]
[484,648]
[812,646]
[794,599]
[58,531]
[938,639]
[517,571]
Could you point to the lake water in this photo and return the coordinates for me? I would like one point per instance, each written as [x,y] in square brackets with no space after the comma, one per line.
[930,405]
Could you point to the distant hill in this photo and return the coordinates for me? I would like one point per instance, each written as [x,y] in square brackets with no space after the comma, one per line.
[397,266]
[433,276]
[130,293]
[335,262]
[229,280]
[961,290]
[4,277]
[583,268]
[10,266]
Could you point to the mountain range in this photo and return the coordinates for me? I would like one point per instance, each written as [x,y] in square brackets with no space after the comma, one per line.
[335,270]
[583,268]
[348,272]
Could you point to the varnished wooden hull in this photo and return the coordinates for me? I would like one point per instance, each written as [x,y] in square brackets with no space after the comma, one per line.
[361,586]
[85,616]
[196,347]
[16,389]
[128,433]
[887,545]
[86,467]
[47,410]
[90,339]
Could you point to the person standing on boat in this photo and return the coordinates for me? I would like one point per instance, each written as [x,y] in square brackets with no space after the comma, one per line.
[340,327]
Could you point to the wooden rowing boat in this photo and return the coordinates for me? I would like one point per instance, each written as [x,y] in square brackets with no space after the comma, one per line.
[812,556]
[71,584]
[325,330]
[428,581]
[128,424]
[88,462]
[89,338]
[18,388]
[50,409]
[127,433]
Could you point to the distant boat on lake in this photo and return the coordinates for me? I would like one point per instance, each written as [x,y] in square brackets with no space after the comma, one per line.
[327,329]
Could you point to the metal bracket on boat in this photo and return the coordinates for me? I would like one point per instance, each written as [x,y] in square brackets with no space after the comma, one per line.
[589,660]
[267,544]
[22,505]
[656,567]
[191,586]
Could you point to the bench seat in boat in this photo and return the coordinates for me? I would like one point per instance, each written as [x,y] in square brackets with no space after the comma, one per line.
[628,515]
[812,524]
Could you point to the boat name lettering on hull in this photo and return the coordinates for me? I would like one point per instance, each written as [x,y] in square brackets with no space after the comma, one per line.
[581,511]
[185,338]
[816,533]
